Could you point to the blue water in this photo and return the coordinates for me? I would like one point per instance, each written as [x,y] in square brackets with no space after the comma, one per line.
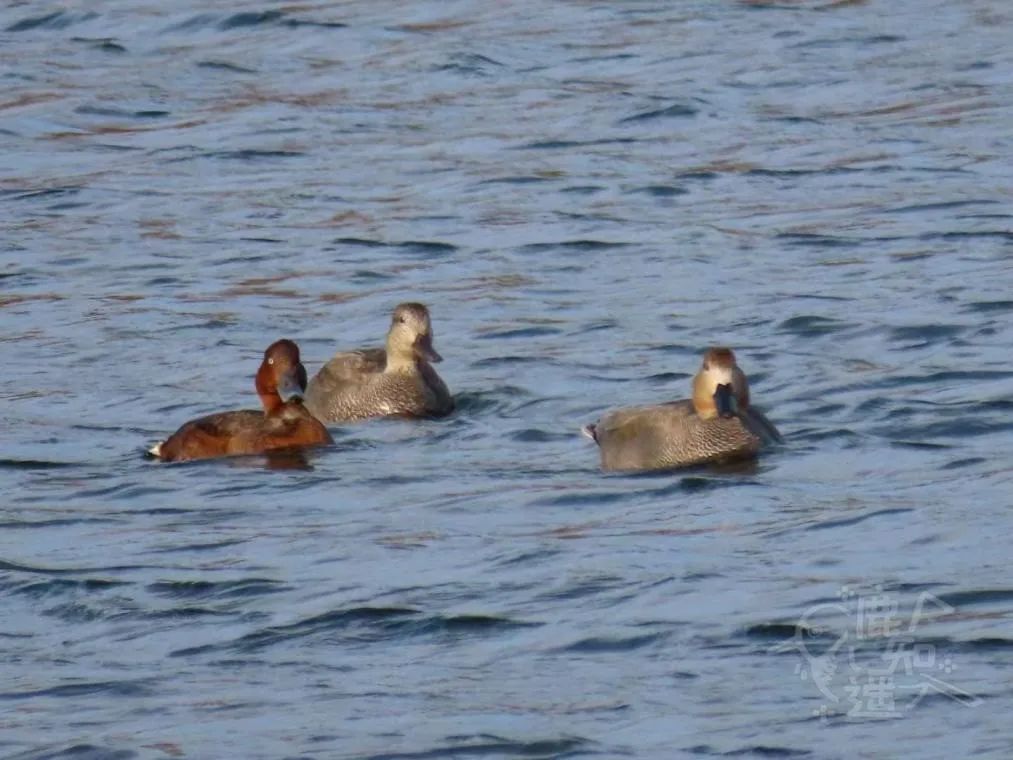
[586,195]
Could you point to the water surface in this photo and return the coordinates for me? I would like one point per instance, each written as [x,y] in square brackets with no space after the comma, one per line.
[586,195]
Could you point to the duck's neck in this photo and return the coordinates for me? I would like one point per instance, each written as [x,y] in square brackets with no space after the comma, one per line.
[703,398]
[270,400]
[267,390]
[399,361]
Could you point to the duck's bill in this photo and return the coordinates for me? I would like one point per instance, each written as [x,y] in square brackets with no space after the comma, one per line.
[424,349]
[724,401]
[289,386]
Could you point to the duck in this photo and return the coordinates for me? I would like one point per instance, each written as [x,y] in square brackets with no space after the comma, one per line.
[717,425]
[283,423]
[398,380]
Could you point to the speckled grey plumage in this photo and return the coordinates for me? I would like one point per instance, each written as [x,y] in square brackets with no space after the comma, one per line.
[667,436]
[354,386]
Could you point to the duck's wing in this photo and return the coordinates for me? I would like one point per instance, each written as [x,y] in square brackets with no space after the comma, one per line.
[638,437]
[440,402]
[670,435]
[209,436]
[633,421]
[759,424]
[346,376]
[348,368]
[353,366]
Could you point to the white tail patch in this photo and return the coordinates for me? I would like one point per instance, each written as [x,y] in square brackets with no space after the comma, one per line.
[588,430]
[156,450]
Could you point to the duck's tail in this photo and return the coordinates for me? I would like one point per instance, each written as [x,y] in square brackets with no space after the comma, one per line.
[156,450]
[591,431]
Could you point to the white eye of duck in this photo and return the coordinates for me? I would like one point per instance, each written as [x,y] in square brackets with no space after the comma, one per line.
[270,361]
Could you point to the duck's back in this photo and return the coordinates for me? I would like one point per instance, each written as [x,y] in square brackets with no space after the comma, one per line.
[671,435]
[355,385]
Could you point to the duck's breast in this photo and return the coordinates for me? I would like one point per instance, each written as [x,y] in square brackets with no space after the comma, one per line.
[292,425]
[415,391]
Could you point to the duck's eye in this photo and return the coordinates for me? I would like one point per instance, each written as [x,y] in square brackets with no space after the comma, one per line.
[706,366]
[270,361]
[402,320]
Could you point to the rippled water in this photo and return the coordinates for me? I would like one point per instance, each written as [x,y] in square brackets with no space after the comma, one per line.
[586,195]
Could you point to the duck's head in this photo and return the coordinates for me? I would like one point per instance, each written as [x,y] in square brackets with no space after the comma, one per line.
[720,388]
[281,375]
[410,337]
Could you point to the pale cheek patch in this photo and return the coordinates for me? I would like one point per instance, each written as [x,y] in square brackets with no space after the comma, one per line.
[721,375]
